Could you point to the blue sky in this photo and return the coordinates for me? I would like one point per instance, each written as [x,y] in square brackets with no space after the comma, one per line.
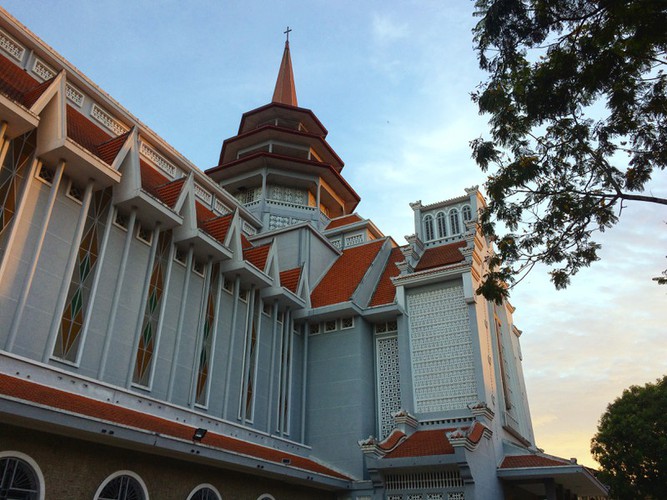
[391,82]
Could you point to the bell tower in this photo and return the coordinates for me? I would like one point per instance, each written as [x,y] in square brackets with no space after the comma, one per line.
[280,165]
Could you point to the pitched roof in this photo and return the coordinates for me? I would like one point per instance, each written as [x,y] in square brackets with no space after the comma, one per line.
[15,82]
[522,461]
[81,405]
[257,255]
[423,443]
[386,291]
[290,279]
[344,276]
[109,150]
[85,133]
[218,226]
[285,91]
[343,221]
[203,213]
[167,193]
[441,256]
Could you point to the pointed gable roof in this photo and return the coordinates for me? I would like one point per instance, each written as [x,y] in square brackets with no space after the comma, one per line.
[344,276]
[285,91]
[257,255]
[218,227]
[168,193]
[386,291]
[290,279]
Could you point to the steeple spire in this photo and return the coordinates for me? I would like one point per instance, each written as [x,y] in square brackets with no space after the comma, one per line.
[285,92]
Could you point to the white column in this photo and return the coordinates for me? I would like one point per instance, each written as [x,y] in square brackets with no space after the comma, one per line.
[181,319]
[27,282]
[117,292]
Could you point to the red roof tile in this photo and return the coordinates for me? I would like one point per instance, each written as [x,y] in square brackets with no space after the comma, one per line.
[343,221]
[392,440]
[476,433]
[218,227]
[31,96]
[84,132]
[290,279]
[167,193]
[521,461]
[344,276]
[257,256]
[152,179]
[441,256]
[203,213]
[245,242]
[74,403]
[109,150]
[423,443]
[15,82]
[386,291]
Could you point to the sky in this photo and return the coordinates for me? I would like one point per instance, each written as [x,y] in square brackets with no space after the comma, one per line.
[391,81]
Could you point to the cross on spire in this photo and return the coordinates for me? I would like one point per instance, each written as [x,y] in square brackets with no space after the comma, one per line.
[287,32]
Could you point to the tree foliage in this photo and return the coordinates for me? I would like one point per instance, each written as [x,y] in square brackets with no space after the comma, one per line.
[577,98]
[631,443]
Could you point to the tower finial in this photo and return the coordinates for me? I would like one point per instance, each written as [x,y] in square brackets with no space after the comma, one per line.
[285,92]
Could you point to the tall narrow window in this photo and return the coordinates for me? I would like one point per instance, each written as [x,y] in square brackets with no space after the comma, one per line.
[207,336]
[285,369]
[428,227]
[442,224]
[78,296]
[467,213]
[151,315]
[246,403]
[454,222]
[12,175]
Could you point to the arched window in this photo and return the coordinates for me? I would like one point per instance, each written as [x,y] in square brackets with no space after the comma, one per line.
[454,222]
[467,213]
[442,224]
[428,227]
[123,485]
[204,492]
[19,479]
[265,496]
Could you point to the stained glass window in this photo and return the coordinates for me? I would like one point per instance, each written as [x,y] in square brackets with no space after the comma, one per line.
[12,174]
[78,296]
[207,336]
[151,315]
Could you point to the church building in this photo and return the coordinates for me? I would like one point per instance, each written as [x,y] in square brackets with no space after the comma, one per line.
[239,332]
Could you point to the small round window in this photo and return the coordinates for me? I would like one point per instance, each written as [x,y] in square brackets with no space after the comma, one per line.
[18,480]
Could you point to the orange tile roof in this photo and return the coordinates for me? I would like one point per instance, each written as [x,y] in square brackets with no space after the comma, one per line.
[476,433]
[441,256]
[521,461]
[203,213]
[81,405]
[290,279]
[109,150]
[31,96]
[167,193]
[15,82]
[423,443]
[245,243]
[386,291]
[84,132]
[344,276]
[343,221]
[392,440]
[218,227]
[257,256]
[152,179]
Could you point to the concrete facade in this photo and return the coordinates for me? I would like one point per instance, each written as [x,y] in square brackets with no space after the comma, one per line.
[241,332]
